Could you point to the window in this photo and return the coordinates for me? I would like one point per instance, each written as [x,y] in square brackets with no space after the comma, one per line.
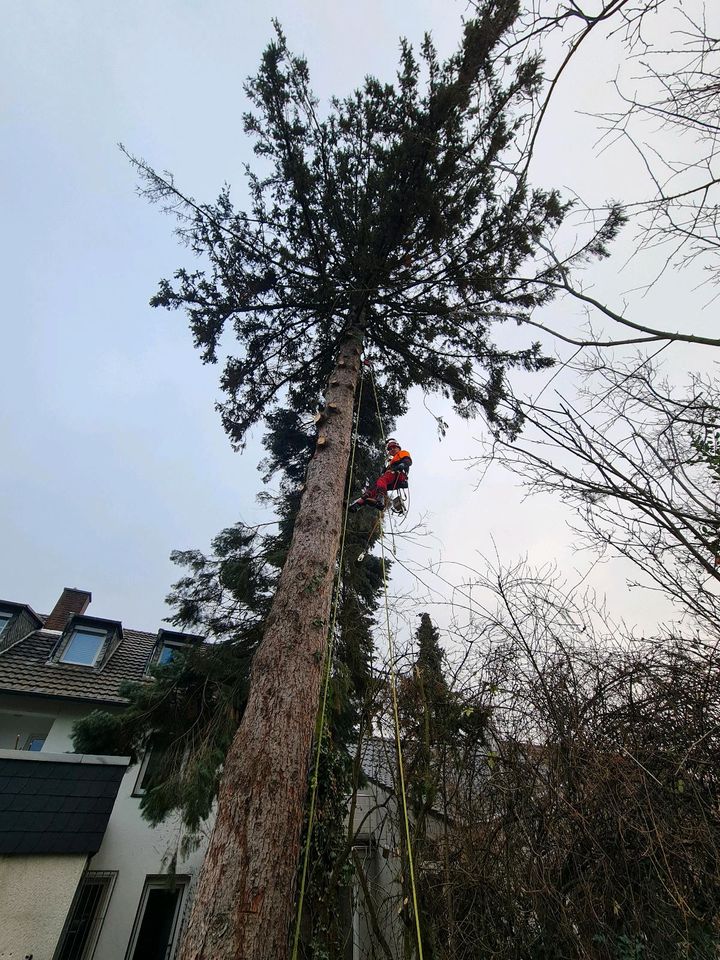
[158,920]
[149,769]
[5,619]
[167,654]
[171,645]
[170,651]
[35,743]
[84,646]
[87,913]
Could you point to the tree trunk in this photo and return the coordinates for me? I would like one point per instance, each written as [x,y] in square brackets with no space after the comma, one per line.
[244,902]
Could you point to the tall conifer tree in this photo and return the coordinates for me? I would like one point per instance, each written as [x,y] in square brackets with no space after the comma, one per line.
[392,224]
[186,718]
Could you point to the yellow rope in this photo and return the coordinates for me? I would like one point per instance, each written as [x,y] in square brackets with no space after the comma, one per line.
[396,715]
[320,723]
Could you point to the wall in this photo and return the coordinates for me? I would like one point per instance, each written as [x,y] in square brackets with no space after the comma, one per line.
[131,847]
[59,739]
[136,850]
[25,716]
[35,896]
[377,823]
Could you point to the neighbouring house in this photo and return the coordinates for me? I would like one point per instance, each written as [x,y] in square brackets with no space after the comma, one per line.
[82,875]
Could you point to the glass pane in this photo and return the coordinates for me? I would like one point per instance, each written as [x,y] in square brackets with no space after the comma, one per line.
[35,743]
[5,619]
[84,916]
[83,647]
[166,654]
[152,769]
[158,922]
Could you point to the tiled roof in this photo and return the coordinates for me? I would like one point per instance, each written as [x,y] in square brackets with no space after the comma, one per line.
[379,761]
[52,804]
[26,668]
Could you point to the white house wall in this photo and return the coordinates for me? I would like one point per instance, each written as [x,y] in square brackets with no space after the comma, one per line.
[378,847]
[59,739]
[131,848]
[135,850]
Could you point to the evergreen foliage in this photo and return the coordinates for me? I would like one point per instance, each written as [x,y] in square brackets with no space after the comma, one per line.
[430,657]
[434,717]
[191,709]
[187,715]
[444,732]
[398,211]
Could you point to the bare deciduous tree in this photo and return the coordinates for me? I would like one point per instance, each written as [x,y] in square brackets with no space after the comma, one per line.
[579,819]
[633,458]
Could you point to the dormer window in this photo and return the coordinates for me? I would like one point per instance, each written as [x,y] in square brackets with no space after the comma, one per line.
[84,646]
[169,651]
[171,644]
[17,620]
[88,641]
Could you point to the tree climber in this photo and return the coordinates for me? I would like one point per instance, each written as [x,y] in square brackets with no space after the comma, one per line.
[395,477]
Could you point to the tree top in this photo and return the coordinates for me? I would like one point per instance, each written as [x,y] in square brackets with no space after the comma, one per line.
[396,212]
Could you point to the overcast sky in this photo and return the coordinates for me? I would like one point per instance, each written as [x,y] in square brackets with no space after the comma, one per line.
[111,453]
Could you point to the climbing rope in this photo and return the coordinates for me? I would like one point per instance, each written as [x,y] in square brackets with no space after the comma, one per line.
[320,722]
[396,713]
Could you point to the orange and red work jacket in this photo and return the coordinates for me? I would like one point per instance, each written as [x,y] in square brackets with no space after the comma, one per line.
[400,455]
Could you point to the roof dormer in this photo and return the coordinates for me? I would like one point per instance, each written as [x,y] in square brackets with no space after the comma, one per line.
[170,643]
[88,641]
[17,620]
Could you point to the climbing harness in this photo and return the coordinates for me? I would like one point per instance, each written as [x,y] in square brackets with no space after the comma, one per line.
[397,504]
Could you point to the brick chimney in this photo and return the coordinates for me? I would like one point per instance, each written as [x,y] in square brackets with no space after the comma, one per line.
[71,601]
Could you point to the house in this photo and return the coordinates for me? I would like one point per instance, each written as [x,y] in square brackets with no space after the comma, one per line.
[82,875]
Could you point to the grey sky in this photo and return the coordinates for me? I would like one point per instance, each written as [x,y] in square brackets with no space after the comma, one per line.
[111,453]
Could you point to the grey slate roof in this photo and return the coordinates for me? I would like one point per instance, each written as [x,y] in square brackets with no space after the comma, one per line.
[56,804]
[379,761]
[26,668]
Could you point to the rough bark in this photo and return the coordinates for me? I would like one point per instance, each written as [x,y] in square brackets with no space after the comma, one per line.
[244,902]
